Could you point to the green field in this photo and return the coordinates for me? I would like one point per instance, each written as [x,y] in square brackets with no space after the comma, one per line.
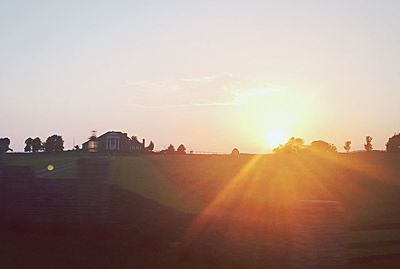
[40,161]
[367,184]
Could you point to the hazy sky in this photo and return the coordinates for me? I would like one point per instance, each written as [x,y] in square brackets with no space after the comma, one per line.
[210,74]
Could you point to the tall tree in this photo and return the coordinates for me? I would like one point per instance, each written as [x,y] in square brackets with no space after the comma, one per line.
[150,147]
[37,144]
[235,153]
[28,144]
[292,146]
[347,146]
[170,149]
[181,149]
[54,143]
[393,144]
[322,146]
[368,143]
[5,145]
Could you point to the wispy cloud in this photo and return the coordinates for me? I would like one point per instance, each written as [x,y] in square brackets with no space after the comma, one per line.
[207,78]
[183,105]
[213,90]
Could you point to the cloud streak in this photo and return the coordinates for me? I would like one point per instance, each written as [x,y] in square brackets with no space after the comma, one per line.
[206,91]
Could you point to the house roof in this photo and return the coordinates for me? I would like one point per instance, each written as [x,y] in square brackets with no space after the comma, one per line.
[113,132]
[136,141]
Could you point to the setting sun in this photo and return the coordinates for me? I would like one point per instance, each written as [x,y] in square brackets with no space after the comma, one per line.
[276,137]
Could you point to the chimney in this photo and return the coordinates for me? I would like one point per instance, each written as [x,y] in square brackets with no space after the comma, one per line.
[144,146]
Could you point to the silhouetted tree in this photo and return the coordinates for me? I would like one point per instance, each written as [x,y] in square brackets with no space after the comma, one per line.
[181,149]
[292,146]
[54,143]
[368,143]
[235,153]
[37,144]
[27,148]
[5,145]
[150,147]
[28,145]
[170,149]
[322,146]
[393,144]
[347,146]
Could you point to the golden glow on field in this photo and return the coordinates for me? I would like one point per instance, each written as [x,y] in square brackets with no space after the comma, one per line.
[275,137]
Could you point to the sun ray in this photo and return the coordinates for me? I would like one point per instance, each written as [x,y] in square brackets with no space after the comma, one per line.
[229,195]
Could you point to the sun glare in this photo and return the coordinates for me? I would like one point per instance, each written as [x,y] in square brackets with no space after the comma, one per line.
[276,137]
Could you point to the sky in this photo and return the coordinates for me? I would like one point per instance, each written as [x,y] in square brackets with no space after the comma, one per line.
[212,75]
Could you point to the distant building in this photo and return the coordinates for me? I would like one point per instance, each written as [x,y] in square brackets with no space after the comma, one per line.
[115,142]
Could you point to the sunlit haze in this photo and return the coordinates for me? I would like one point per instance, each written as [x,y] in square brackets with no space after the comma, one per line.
[212,75]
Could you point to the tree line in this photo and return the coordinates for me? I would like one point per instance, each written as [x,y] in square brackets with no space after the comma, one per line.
[171,149]
[54,143]
[294,145]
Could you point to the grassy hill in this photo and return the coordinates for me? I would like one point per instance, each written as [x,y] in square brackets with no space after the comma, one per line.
[246,194]
[366,183]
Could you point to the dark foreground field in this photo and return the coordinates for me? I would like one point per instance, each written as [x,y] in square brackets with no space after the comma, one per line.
[213,212]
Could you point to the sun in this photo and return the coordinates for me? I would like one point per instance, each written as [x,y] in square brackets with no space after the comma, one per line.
[275,137]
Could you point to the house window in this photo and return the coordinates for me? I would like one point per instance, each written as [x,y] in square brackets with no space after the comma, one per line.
[113,143]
